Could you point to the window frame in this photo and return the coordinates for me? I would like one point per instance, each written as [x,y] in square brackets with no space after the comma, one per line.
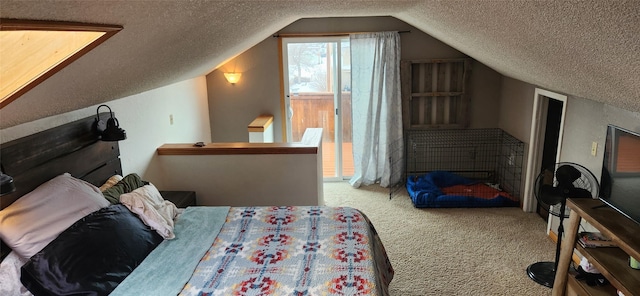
[34,25]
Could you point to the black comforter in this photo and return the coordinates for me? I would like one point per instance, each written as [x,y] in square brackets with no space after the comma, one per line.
[92,256]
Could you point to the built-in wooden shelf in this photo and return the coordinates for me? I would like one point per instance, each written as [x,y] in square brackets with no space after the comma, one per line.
[239,148]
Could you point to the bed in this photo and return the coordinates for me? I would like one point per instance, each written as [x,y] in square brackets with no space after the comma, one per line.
[80,227]
[442,189]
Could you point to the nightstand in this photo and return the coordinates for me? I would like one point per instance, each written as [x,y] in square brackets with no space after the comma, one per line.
[181,199]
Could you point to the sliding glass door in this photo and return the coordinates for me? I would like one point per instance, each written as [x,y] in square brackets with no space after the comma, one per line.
[317,84]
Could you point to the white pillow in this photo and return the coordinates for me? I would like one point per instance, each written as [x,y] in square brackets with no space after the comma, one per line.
[10,276]
[153,210]
[36,218]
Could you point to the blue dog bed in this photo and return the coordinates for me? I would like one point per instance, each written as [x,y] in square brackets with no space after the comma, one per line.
[440,189]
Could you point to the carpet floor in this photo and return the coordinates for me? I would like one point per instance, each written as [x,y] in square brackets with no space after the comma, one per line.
[460,251]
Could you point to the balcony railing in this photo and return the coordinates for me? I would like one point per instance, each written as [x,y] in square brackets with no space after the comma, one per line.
[312,110]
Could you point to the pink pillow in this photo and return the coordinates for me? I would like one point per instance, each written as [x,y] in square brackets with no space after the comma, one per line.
[36,218]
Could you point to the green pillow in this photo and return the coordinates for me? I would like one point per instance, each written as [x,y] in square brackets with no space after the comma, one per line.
[129,183]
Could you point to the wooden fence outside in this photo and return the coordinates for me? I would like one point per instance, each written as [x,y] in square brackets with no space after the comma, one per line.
[312,110]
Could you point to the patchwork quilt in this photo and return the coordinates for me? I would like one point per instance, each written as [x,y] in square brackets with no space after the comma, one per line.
[293,251]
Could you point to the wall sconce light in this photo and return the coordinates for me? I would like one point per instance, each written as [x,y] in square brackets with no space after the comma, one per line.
[6,184]
[109,130]
[232,77]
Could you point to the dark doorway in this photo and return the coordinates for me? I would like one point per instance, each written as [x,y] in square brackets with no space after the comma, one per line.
[551,137]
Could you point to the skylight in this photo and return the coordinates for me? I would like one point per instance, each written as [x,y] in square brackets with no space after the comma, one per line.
[32,51]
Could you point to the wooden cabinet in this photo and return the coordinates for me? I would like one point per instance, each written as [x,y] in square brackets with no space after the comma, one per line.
[613,263]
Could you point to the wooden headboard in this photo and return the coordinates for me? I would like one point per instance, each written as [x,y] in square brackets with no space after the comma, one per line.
[70,148]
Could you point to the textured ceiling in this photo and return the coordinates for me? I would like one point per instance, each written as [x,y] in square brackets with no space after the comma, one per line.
[589,49]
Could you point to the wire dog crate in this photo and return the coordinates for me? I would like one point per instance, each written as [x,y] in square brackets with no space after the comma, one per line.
[486,155]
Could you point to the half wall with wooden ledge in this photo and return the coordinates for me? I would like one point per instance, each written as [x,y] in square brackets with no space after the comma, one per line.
[247,174]
[261,129]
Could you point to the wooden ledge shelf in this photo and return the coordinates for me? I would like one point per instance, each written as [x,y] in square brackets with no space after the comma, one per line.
[237,149]
[261,123]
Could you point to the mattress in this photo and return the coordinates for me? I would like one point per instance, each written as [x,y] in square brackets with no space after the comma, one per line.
[280,251]
[308,250]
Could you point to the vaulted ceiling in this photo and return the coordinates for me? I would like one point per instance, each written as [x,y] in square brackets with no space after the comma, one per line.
[589,49]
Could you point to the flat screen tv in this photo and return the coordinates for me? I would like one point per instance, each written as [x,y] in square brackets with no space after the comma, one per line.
[620,179]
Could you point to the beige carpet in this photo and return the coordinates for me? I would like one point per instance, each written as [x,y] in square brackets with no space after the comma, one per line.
[452,251]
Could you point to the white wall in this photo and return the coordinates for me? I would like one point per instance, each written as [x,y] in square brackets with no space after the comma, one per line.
[146,119]
[241,179]
[516,108]
[258,92]
[586,122]
[246,180]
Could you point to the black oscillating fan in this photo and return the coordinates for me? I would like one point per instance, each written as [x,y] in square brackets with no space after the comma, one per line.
[552,188]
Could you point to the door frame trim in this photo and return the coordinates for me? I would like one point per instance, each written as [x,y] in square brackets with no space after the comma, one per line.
[285,96]
[282,49]
[282,91]
[536,141]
